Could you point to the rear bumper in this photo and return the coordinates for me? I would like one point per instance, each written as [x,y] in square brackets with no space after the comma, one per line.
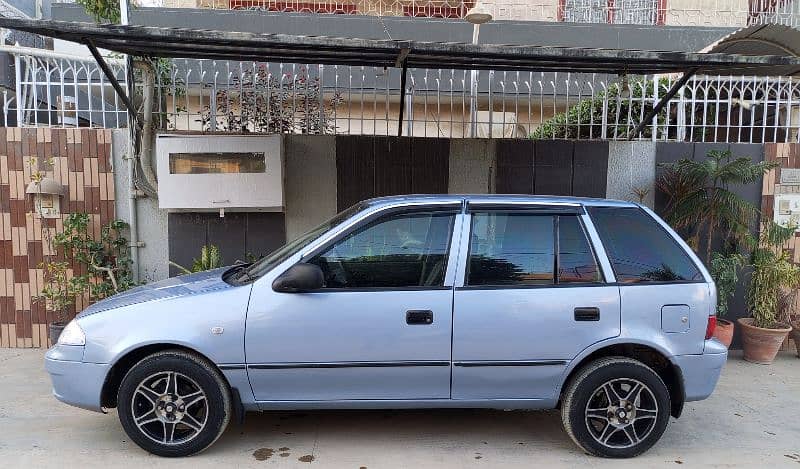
[701,372]
[74,382]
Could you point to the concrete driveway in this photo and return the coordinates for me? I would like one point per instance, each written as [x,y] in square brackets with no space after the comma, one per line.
[753,420]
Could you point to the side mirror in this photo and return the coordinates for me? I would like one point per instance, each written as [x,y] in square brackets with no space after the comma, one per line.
[299,278]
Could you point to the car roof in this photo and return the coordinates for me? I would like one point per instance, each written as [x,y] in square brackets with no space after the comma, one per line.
[498,199]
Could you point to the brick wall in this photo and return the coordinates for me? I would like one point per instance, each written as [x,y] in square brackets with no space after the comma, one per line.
[787,155]
[79,159]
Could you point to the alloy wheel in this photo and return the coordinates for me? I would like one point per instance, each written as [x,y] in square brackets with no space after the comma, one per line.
[621,413]
[169,408]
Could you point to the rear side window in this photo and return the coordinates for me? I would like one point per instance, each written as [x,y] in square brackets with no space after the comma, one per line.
[639,249]
[576,261]
[511,249]
[529,249]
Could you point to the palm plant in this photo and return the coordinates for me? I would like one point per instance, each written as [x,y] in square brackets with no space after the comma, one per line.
[724,270]
[700,199]
[209,259]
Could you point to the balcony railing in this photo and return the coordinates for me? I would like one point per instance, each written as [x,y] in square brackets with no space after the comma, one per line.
[56,90]
[59,90]
[730,13]
[291,98]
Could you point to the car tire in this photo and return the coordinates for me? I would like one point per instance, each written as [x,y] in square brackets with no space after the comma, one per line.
[173,404]
[615,407]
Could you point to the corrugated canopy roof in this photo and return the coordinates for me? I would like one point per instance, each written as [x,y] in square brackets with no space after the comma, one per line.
[230,45]
[761,40]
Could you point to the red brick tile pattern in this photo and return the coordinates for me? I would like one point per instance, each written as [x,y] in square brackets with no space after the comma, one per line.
[80,159]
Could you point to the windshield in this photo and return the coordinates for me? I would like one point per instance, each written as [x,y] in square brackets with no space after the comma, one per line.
[265,264]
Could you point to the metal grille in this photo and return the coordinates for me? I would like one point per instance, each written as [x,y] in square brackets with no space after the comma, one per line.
[257,97]
[64,91]
[57,90]
[734,13]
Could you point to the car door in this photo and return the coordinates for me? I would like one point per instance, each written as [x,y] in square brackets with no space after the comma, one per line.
[532,296]
[381,326]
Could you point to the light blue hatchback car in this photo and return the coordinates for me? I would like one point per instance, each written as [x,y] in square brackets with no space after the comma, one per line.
[592,306]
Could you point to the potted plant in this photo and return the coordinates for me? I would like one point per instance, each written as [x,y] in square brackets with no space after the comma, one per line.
[773,274]
[788,303]
[796,335]
[701,203]
[724,269]
[58,295]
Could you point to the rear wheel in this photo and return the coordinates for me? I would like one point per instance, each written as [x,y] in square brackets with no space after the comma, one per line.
[174,404]
[616,407]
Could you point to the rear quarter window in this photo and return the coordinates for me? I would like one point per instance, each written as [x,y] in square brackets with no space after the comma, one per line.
[639,249]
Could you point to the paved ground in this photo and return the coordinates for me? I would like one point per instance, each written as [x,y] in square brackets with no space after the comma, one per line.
[753,420]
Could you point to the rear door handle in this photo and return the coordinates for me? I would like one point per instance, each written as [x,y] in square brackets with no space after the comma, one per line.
[419,316]
[587,314]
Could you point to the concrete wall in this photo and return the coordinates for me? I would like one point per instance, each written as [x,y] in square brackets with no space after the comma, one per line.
[310,190]
[631,169]
[152,222]
[316,175]
[521,31]
[472,163]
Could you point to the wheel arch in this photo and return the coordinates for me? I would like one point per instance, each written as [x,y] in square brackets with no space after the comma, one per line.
[126,361]
[651,355]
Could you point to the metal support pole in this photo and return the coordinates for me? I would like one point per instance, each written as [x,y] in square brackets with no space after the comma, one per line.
[662,102]
[473,88]
[403,78]
[20,98]
[114,83]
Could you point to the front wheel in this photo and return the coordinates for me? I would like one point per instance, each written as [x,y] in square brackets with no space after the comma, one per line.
[615,407]
[173,404]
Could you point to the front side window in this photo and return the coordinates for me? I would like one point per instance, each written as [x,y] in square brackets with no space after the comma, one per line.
[639,249]
[265,264]
[399,251]
[529,249]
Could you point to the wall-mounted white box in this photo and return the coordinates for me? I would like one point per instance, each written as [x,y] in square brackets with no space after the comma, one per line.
[220,172]
[786,210]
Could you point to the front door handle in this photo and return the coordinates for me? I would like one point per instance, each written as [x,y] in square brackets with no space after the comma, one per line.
[587,314]
[419,316]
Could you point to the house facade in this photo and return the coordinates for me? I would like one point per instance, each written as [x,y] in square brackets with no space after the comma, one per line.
[328,135]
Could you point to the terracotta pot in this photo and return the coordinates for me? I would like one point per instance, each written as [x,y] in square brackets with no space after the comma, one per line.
[761,345]
[724,332]
[795,334]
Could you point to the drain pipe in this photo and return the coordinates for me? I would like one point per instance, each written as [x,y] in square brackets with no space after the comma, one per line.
[134,194]
[150,181]
[146,186]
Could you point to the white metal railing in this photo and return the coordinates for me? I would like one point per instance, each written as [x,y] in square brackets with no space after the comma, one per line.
[734,13]
[258,97]
[61,90]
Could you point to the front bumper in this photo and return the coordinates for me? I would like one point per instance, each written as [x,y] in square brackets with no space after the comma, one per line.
[75,382]
[701,372]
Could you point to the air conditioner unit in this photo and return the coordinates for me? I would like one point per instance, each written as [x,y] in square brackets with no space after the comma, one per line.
[220,172]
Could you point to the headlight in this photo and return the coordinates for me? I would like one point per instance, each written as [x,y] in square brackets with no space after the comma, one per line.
[72,335]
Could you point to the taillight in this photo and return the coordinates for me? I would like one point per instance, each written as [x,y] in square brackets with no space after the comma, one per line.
[712,324]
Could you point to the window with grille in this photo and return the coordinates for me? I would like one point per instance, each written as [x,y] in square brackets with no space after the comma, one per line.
[612,11]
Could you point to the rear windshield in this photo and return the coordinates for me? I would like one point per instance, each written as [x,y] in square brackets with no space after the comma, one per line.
[639,249]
